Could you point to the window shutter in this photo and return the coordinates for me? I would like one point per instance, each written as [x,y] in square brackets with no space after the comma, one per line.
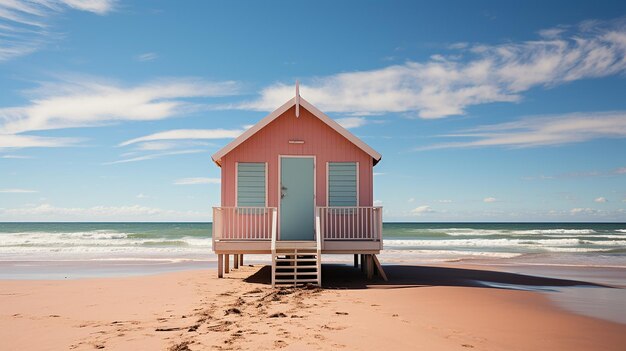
[251,184]
[342,187]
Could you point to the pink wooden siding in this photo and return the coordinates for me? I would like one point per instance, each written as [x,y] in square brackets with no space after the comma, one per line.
[319,140]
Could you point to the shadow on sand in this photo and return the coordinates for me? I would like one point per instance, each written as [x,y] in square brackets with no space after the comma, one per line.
[337,276]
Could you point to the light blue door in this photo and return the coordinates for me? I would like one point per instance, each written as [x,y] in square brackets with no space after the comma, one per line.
[296,204]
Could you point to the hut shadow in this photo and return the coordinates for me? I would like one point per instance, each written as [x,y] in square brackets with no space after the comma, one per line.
[337,276]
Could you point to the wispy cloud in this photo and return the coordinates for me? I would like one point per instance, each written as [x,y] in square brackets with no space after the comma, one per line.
[89,102]
[541,131]
[148,56]
[352,122]
[86,102]
[25,25]
[22,141]
[420,210]
[153,156]
[186,134]
[600,200]
[475,74]
[490,199]
[14,156]
[194,181]
[17,191]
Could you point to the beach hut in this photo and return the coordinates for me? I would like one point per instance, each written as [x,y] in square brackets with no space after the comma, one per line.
[297,185]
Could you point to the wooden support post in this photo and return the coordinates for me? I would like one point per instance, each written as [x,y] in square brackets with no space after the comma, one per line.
[362,263]
[235,261]
[226,263]
[370,267]
[220,266]
[356,260]
[241,259]
[381,272]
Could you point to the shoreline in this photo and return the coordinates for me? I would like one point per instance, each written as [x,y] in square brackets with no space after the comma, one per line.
[430,308]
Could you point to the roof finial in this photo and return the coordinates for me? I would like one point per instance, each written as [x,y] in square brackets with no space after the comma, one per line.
[297,98]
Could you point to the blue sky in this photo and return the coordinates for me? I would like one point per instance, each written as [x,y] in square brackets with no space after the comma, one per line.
[483,111]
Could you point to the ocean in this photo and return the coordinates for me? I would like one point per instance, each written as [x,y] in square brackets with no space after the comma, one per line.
[169,246]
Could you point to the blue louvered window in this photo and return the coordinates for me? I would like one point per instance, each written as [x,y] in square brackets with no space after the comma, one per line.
[342,184]
[251,183]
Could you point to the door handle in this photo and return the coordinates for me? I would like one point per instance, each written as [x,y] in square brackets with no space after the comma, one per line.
[283,191]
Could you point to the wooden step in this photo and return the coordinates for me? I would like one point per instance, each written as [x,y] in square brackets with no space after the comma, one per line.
[279,259]
[281,281]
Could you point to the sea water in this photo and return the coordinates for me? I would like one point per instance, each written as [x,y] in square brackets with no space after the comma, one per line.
[564,244]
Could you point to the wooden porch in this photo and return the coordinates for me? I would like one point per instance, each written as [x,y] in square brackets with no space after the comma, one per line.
[338,230]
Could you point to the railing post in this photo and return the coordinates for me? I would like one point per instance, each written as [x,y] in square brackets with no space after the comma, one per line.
[273,245]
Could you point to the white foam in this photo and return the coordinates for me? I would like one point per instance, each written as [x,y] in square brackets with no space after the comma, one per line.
[486,232]
[481,242]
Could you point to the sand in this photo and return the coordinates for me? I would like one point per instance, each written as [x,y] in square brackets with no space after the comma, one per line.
[421,308]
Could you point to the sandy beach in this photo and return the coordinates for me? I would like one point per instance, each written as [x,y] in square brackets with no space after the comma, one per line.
[420,308]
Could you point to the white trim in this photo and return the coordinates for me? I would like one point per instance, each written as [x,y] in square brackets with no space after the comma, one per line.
[236,184]
[267,189]
[327,183]
[217,157]
[297,99]
[358,188]
[314,157]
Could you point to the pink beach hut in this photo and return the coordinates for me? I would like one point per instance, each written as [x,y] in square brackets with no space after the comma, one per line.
[297,185]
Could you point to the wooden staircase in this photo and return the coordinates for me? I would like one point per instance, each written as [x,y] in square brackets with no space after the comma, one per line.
[296,263]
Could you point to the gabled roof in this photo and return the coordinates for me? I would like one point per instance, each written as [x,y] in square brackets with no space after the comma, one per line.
[297,101]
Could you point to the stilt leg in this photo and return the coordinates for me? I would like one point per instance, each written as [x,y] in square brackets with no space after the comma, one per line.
[362,263]
[220,266]
[370,267]
[356,261]
[241,259]
[226,263]
[235,261]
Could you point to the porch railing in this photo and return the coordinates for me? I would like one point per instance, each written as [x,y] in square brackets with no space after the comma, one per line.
[332,223]
[351,223]
[244,223]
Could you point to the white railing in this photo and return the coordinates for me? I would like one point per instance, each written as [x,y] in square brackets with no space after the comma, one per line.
[244,223]
[351,223]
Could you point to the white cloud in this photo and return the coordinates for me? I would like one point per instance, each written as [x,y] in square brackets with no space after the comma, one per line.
[351,122]
[490,199]
[378,203]
[86,102]
[421,210]
[601,199]
[541,131]
[412,199]
[194,181]
[143,196]
[153,156]
[13,156]
[48,212]
[17,191]
[444,201]
[579,211]
[148,56]
[22,141]
[182,134]
[485,74]
[100,7]
[621,170]
[378,174]
[25,25]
